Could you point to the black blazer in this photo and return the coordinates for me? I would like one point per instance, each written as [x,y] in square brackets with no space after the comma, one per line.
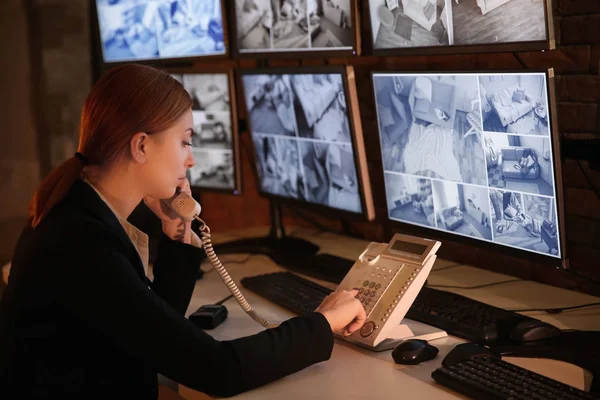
[79,317]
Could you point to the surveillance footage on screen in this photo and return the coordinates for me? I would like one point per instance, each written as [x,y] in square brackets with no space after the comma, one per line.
[470,154]
[132,30]
[301,136]
[293,25]
[212,143]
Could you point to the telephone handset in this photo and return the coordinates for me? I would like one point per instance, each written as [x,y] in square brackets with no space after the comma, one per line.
[388,278]
[189,209]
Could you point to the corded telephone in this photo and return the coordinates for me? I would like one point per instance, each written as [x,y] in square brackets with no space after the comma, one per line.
[387,276]
[189,209]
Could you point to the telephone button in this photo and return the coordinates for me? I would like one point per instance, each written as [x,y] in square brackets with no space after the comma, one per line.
[366,283]
[367,329]
[372,294]
[361,290]
[367,292]
[367,301]
[372,285]
[377,286]
[362,299]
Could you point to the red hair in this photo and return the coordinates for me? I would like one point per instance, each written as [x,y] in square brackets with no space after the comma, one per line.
[126,100]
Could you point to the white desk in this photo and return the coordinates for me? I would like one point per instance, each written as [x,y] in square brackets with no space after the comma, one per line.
[354,372]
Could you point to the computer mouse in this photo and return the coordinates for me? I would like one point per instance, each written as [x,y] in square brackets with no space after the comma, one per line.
[531,330]
[414,351]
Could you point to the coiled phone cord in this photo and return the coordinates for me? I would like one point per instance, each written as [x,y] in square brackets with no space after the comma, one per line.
[210,253]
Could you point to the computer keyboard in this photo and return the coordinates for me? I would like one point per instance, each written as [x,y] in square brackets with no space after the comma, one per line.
[476,372]
[466,318]
[288,290]
[325,266]
[456,314]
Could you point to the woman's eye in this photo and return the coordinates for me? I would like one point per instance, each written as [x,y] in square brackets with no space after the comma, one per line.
[186,144]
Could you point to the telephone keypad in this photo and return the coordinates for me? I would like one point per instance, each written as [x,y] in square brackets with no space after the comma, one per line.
[371,289]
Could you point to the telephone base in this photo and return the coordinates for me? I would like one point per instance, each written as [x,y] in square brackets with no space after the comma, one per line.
[409,329]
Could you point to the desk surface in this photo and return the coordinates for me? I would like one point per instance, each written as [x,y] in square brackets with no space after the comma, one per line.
[354,372]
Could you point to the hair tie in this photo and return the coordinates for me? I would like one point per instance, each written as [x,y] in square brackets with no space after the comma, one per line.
[84,160]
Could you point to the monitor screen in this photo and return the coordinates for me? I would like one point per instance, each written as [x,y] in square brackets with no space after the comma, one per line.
[280,26]
[410,24]
[305,139]
[134,30]
[471,155]
[214,143]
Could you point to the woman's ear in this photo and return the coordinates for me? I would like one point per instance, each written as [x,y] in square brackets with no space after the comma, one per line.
[138,145]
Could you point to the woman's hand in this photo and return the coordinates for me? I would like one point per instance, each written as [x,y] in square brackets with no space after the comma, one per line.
[343,311]
[172,225]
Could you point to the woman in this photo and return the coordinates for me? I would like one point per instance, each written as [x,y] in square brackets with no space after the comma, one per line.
[80,318]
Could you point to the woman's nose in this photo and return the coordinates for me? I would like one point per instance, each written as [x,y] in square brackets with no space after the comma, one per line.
[189,161]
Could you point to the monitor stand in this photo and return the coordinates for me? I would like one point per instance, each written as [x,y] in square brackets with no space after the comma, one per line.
[284,250]
[298,255]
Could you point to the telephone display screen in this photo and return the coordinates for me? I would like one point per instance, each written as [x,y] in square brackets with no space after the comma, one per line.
[408,247]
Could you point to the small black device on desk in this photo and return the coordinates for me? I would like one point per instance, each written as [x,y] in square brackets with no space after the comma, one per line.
[480,374]
[209,316]
[458,315]
[414,351]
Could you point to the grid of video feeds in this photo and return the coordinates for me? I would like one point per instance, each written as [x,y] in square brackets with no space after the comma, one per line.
[301,136]
[133,30]
[425,23]
[294,25]
[470,154]
[212,144]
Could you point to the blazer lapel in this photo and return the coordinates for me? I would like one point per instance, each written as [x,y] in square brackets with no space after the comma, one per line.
[85,198]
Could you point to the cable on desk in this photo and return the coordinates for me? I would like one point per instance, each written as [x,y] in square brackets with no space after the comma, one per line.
[557,310]
[474,287]
[218,303]
[445,268]
[244,261]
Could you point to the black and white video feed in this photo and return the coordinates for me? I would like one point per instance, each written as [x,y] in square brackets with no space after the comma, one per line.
[212,130]
[214,169]
[330,175]
[212,142]
[209,92]
[302,138]
[270,104]
[320,107]
[293,25]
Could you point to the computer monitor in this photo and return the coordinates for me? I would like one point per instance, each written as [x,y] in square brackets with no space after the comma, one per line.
[307,139]
[285,27]
[138,30]
[474,155]
[215,140]
[451,26]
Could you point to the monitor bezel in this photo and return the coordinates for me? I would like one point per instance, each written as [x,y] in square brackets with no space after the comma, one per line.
[558,262]
[294,53]
[360,161]
[516,46]
[237,190]
[156,62]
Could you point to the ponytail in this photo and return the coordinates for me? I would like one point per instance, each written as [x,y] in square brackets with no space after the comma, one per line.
[54,188]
